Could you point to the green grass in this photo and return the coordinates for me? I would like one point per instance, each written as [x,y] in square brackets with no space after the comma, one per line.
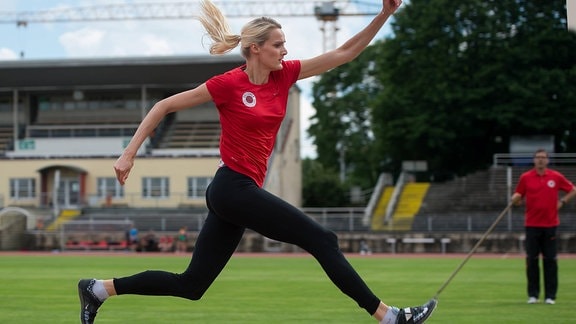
[42,289]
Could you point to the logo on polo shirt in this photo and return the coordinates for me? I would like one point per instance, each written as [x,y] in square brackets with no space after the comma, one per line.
[551,183]
[249,99]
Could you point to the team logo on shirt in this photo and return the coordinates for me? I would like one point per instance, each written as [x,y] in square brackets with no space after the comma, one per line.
[249,99]
[551,183]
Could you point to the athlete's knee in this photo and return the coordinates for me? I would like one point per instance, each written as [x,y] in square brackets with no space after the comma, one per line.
[325,239]
[331,238]
[190,289]
[194,295]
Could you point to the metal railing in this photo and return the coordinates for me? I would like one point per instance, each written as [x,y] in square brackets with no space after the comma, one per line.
[503,159]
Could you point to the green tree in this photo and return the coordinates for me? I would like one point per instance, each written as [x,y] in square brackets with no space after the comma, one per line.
[455,81]
[460,77]
[321,187]
[341,126]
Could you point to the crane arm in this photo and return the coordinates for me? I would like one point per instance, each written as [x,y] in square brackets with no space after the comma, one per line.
[323,10]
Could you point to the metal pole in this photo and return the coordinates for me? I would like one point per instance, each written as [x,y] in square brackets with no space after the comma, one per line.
[55,192]
[509,185]
[15,126]
[473,249]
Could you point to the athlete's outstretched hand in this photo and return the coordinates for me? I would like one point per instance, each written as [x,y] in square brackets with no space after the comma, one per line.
[390,6]
[122,168]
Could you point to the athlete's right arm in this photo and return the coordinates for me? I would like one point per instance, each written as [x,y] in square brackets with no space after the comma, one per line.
[182,100]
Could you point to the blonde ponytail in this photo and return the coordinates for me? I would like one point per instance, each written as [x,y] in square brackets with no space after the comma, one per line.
[223,40]
[256,31]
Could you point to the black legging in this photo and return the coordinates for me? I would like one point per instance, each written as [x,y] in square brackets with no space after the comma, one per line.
[235,202]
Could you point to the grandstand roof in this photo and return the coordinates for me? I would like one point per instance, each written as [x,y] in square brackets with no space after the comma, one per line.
[131,71]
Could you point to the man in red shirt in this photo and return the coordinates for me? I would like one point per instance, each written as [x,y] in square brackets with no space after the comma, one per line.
[540,189]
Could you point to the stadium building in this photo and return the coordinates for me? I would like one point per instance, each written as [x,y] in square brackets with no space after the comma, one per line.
[63,123]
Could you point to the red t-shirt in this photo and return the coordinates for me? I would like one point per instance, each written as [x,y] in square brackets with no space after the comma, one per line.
[250,116]
[541,196]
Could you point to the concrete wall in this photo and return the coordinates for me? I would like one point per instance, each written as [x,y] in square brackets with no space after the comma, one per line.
[462,243]
[12,228]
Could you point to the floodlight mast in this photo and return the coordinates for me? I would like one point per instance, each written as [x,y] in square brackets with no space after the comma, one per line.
[328,14]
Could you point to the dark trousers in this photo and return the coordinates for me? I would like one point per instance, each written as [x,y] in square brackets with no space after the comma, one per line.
[235,203]
[541,240]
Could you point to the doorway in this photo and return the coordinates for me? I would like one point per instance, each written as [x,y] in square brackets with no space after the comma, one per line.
[69,192]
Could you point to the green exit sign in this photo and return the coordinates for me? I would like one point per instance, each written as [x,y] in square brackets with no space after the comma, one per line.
[27,144]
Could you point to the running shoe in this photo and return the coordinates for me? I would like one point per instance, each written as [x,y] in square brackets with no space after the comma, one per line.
[532,300]
[89,303]
[416,315]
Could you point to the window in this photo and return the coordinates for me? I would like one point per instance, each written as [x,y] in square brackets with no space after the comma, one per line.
[7,103]
[197,186]
[158,187]
[110,186]
[23,188]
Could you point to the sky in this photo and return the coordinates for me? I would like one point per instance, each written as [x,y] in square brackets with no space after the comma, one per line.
[129,38]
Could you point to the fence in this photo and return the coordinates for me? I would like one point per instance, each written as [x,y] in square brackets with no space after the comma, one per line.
[463,230]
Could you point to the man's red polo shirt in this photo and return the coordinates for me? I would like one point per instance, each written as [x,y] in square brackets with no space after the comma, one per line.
[540,192]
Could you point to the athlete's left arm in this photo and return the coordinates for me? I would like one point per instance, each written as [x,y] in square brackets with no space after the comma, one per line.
[351,48]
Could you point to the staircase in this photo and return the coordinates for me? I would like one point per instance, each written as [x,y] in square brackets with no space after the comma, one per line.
[6,133]
[65,216]
[193,134]
[380,210]
[408,206]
